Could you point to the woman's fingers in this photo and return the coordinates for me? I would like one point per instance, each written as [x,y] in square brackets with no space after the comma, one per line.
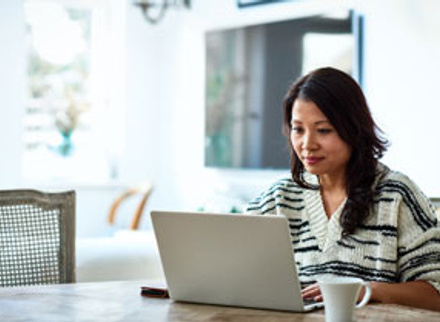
[312,292]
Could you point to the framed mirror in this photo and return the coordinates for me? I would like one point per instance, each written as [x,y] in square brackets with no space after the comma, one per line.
[248,71]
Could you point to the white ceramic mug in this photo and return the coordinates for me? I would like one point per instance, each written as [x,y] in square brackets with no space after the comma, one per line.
[340,295]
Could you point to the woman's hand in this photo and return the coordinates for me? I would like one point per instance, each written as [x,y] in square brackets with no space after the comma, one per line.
[312,292]
[418,294]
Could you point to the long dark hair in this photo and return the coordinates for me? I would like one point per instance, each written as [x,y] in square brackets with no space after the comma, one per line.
[342,101]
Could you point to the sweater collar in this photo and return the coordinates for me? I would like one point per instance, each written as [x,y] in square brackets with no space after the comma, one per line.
[326,230]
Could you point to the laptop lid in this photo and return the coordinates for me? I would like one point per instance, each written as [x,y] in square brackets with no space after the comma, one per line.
[228,259]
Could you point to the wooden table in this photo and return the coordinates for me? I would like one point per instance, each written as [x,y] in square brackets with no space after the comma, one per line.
[121,301]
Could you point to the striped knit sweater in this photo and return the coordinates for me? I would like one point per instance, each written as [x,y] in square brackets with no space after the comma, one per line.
[398,242]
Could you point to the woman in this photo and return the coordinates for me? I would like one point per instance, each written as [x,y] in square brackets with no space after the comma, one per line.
[349,214]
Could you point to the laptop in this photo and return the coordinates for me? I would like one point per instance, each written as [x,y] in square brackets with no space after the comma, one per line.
[229,259]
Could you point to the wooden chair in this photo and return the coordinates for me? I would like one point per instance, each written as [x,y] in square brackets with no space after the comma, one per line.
[128,253]
[144,190]
[37,237]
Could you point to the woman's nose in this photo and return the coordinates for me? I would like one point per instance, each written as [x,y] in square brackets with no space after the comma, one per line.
[309,141]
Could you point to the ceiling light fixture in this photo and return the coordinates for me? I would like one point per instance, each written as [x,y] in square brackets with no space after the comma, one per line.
[154,10]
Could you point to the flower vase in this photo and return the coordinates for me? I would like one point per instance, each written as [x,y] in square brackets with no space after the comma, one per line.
[66,147]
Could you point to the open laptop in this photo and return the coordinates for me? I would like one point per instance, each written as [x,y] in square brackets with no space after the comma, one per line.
[229,259]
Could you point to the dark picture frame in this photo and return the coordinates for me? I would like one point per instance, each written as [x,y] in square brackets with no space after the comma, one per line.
[251,3]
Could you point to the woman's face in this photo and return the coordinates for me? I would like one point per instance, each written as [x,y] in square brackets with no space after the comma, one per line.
[316,142]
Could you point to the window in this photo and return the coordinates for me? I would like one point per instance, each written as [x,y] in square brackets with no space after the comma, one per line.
[71,131]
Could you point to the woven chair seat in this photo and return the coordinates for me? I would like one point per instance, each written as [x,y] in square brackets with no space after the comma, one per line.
[37,232]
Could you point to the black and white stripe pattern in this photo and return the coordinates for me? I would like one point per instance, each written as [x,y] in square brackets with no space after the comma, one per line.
[419,214]
[398,242]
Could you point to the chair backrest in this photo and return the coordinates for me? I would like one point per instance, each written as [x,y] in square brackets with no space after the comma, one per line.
[37,237]
[144,190]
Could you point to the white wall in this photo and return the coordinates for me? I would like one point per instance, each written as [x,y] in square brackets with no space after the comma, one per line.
[12,90]
[402,68]
[165,100]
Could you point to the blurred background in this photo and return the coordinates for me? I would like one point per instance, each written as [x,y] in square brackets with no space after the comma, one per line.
[98,96]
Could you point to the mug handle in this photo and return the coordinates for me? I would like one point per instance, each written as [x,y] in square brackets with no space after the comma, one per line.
[366,297]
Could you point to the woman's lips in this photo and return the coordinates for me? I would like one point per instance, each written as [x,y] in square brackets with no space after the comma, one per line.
[312,160]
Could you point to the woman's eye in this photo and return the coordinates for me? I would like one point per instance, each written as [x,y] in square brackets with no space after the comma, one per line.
[296,129]
[325,131]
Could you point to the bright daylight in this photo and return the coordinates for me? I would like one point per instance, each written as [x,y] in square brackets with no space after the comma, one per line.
[221,160]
